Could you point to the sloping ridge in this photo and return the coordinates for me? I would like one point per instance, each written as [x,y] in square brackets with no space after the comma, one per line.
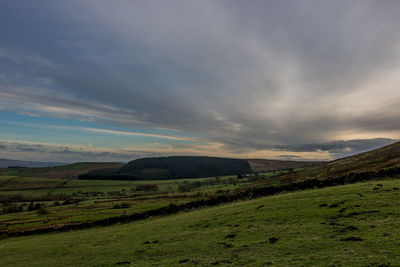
[267,165]
[4,163]
[374,160]
[371,161]
[70,171]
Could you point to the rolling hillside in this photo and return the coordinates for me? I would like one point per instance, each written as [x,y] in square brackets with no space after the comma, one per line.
[356,224]
[267,165]
[4,163]
[371,161]
[70,171]
[350,225]
[173,169]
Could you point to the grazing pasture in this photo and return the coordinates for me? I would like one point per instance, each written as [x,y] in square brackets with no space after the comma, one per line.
[350,225]
[72,201]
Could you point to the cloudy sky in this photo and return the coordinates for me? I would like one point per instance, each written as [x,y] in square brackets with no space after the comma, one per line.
[117,80]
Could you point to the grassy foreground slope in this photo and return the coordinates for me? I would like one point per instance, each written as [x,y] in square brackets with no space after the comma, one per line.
[350,225]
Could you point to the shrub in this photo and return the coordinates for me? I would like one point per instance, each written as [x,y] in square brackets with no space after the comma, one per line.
[184,188]
[233,181]
[31,207]
[123,205]
[67,202]
[12,208]
[147,187]
[42,211]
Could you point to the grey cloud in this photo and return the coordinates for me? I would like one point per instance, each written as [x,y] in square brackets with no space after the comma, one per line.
[288,156]
[82,155]
[24,148]
[340,148]
[266,74]
[32,151]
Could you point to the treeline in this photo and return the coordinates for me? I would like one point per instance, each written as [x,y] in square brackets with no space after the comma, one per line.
[176,167]
[106,174]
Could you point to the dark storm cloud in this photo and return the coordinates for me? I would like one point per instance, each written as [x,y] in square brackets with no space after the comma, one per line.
[340,148]
[259,75]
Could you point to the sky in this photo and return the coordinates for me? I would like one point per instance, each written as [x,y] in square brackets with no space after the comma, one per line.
[99,80]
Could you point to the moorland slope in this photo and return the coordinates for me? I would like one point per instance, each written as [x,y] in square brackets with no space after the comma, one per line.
[268,165]
[70,171]
[386,157]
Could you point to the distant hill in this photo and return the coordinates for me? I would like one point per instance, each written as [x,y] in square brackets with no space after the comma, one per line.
[175,167]
[4,163]
[371,161]
[70,171]
[267,165]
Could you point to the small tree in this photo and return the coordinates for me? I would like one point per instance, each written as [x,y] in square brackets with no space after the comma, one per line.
[184,188]
[42,211]
[31,207]
[37,206]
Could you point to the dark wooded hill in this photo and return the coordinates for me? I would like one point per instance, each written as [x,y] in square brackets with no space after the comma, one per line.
[175,167]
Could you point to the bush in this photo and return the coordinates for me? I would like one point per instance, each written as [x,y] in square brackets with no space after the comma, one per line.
[37,206]
[42,211]
[147,187]
[184,188]
[123,205]
[232,180]
[12,208]
[31,207]
[67,202]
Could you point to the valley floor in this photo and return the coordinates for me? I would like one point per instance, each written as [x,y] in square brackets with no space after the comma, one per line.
[350,225]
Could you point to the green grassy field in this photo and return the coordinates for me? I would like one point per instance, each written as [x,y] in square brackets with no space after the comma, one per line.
[91,200]
[350,225]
